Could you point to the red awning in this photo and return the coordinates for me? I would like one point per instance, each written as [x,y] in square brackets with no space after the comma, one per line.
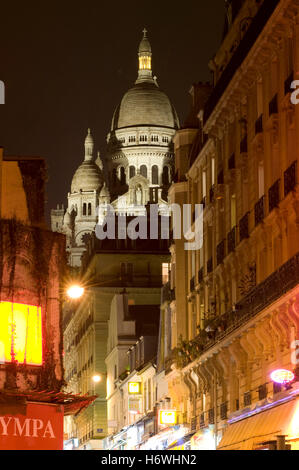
[72,404]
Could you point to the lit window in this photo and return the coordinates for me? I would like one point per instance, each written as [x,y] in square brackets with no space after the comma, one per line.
[20,333]
[165,272]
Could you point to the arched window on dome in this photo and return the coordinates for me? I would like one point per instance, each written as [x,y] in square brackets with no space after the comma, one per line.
[122,175]
[89,208]
[154,138]
[132,171]
[165,176]
[143,138]
[143,171]
[84,208]
[155,175]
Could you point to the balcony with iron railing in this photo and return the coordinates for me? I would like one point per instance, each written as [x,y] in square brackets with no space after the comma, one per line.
[259,211]
[258,298]
[259,125]
[273,106]
[200,275]
[220,252]
[244,145]
[290,178]
[210,265]
[274,196]
[244,227]
[231,240]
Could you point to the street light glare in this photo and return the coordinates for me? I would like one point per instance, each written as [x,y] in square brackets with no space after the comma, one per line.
[96,378]
[75,292]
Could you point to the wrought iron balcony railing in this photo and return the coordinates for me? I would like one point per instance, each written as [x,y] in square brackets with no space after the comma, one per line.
[244,227]
[210,265]
[232,162]
[290,178]
[231,240]
[192,284]
[223,411]
[211,416]
[273,106]
[258,298]
[259,125]
[244,145]
[220,252]
[274,196]
[259,211]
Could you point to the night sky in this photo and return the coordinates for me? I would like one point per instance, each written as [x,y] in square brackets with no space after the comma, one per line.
[67,65]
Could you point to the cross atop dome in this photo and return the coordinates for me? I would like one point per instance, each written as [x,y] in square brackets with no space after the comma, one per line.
[144,32]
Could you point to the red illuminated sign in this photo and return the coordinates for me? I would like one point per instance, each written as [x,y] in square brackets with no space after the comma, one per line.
[20,333]
[40,429]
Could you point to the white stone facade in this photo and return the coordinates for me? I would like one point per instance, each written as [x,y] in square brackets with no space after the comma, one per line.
[139,161]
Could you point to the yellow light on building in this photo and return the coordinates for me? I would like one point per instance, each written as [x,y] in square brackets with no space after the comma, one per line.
[167,417]
[135,388]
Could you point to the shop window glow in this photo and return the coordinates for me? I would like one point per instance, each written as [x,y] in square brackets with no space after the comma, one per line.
[282,376]
[167,417]
[134,388]
[20,333]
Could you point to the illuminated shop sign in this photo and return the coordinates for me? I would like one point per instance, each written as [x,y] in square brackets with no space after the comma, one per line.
[282,376]
[20,333]
[135,388]
[167,417]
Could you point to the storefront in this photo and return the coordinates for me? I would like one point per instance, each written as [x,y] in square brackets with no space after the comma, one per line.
[255,429]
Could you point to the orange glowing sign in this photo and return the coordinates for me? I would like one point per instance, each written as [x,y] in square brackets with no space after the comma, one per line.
[167,417]
[134,388]
[20,333]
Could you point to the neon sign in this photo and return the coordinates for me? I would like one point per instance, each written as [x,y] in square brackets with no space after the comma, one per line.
[282,376]
[20,333]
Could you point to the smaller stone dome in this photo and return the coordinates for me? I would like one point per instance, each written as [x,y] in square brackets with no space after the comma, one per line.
[88,177]
[144,45]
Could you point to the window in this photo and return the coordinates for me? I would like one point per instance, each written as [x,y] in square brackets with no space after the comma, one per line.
[155,138]
[155,175]
[143,171]
[20,333]
[132,138]
[89,208]
[84,208]
[165,139]
[143,138]
[132,171]
[165,272]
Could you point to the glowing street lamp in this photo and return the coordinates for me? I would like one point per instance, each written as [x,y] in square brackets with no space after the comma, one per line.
[282,376]
[96,378]
[75,291]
